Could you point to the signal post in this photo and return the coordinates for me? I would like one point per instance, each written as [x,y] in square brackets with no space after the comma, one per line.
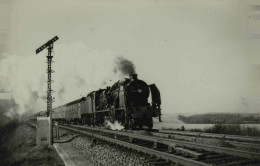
[40,134]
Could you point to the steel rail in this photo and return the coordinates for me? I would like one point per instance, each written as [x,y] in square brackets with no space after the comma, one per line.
[191,138]
[163,155]
[172,143]
[212,135]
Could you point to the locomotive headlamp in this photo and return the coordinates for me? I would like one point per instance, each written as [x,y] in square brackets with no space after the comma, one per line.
[140,90]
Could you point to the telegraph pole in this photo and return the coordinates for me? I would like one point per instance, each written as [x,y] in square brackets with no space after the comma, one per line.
[49,45]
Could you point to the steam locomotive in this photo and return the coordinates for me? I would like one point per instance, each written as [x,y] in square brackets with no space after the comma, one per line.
[126,102]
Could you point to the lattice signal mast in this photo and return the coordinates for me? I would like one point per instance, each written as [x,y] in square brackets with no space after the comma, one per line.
[48,45]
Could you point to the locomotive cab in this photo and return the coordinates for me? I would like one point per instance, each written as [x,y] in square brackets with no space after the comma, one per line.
[156,101]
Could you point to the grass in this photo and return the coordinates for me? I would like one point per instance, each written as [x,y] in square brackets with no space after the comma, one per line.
[18,147]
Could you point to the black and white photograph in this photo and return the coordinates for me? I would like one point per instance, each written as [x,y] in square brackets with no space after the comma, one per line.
[129,83]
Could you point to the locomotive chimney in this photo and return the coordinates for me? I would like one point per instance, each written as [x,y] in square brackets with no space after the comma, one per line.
[133,76]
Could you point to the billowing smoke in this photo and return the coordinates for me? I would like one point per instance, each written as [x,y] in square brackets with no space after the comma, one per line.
[6,103]
[20,78]
[78,71]
[124,66]
[113,126]
[61,92]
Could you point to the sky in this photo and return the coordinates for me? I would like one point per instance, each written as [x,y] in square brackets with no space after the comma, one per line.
[202,55]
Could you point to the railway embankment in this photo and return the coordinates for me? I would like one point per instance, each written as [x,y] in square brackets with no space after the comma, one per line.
[163,150]
[101,153]
[71,148]
[18,147]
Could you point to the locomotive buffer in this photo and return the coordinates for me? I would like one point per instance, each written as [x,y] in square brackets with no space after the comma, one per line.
[49,45]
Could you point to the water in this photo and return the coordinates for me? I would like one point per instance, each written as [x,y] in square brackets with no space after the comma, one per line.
[171,121]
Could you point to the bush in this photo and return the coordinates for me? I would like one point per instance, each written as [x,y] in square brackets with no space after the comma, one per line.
[196,130]
[235,129]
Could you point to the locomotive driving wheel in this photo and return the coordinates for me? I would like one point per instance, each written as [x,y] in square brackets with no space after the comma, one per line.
[83,120]
[140,126]
[131,124]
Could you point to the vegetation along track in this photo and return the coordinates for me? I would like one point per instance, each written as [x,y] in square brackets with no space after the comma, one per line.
[168,151]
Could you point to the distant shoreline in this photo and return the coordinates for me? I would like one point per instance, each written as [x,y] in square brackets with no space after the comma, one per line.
[221,118]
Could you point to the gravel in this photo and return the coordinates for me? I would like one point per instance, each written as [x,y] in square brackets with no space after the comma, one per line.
[107,154]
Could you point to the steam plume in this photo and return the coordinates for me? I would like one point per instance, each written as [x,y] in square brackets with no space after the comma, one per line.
[124,66]
[114,126]
[20,78]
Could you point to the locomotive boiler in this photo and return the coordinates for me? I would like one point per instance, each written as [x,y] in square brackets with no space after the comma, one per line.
[127,101]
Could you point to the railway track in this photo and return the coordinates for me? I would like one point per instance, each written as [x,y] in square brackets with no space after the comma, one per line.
[236,143]
[166,151]
[212,135]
